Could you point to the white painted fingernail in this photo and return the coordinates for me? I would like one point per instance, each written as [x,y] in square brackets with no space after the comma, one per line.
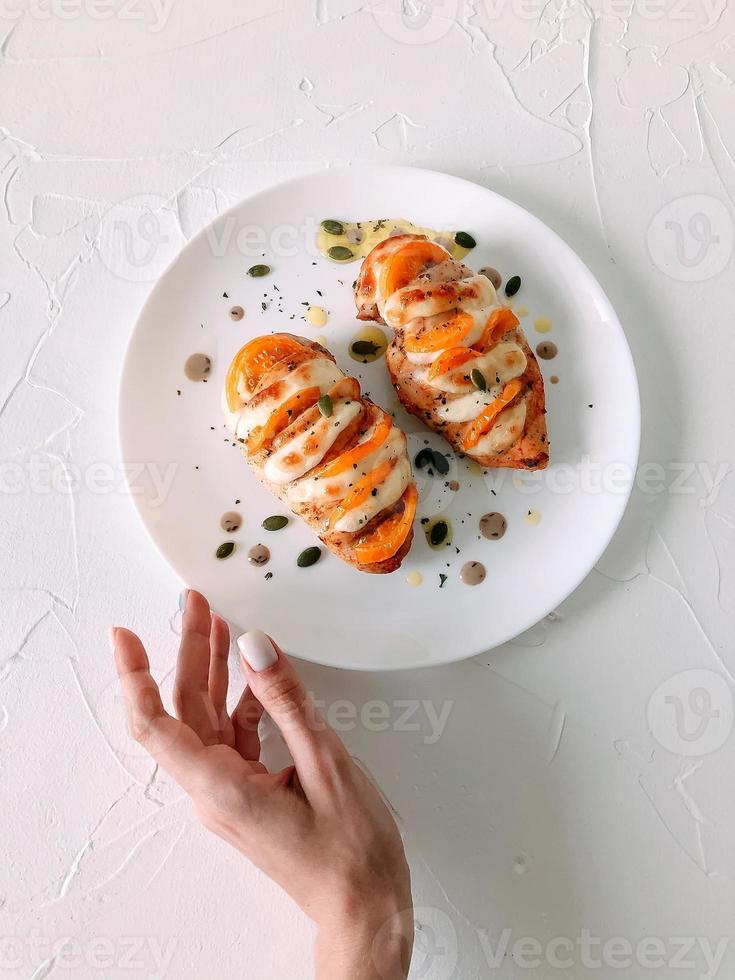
[257,649]
[113,637]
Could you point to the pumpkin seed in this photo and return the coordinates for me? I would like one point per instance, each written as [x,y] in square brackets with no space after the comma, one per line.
[438,533]
[340,253]
[441,464]
[259,270]
[325,406]
[464,240]
[310,556]
[333,227]
[424,457]
[512,285]
[225,550]
[478,380]
[364,348]
[275,523]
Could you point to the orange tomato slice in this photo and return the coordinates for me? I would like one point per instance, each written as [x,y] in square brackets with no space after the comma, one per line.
[486,418]
[253,360]
[283,416]
[403,266]
[448,333]
[451,359]
[499,322]
[387,538]
[361,491]
[351,457]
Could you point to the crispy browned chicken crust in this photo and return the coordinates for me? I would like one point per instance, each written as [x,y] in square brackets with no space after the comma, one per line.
[531,451]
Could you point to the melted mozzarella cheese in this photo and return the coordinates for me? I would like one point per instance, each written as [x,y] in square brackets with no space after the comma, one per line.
[319,372]
[302,453]
[388,492]
[499,365]
[312,489]
[468,407]
[419,300]
[507,429]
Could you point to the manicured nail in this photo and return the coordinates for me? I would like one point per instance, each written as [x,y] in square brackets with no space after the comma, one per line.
[113,637]
[257,649]
[183,596]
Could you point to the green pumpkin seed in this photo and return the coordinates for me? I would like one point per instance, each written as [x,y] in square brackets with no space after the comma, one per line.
[310,556]
[275,523]
[478,380]
[225,550]
[325,406]
[259,270]
[424,457]
[340,253]
[438,533]
[333,227]
[441,464]
[512,285]
[365,348]
[464,240]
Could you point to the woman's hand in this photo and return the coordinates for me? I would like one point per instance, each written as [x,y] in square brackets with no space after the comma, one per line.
[319,828]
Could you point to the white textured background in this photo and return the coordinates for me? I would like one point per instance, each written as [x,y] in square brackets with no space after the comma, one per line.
[584,781]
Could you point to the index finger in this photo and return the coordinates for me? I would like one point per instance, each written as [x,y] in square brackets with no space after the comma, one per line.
[171,743]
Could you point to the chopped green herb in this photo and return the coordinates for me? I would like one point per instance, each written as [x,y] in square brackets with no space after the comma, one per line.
[225,550]
[442,580]
[257,271]
[478,380]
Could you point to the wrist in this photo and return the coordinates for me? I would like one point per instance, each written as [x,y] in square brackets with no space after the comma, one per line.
[371,941]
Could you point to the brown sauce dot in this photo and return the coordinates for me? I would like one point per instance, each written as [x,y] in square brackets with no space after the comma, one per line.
[453,485]
[473,573]
[547,350]
[237,313]
[259,555]
[493,526]
[197,367]
[554,379]
[493,275]
[231,521]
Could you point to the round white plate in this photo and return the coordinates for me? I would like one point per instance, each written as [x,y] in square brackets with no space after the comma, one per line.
[331,613]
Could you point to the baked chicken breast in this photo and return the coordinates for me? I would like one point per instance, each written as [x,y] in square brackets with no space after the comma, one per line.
[459,359]
[330,454]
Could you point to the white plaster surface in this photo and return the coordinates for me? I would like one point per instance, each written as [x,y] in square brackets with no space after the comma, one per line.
[584,783]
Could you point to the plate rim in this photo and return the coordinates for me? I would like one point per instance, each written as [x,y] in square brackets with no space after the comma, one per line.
[399,170]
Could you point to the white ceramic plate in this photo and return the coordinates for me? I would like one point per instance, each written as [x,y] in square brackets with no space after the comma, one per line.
[331,613]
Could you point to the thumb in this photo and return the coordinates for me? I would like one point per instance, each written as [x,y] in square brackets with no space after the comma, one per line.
[315,748]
